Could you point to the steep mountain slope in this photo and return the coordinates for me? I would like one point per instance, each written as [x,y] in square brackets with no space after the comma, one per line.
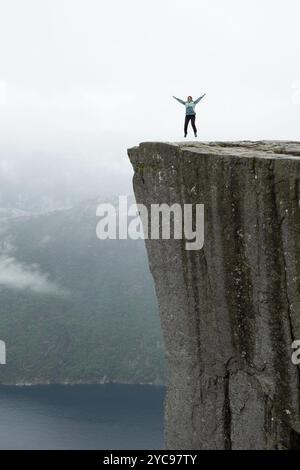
[74,308]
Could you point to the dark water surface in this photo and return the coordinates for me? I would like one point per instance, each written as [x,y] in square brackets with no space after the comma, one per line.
[110,416]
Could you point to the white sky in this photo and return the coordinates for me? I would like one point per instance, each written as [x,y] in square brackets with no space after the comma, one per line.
[108,70]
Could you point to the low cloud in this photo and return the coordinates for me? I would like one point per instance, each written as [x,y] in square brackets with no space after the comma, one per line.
[16,275]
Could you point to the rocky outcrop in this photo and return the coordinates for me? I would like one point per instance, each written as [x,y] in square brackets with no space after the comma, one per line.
[231,310]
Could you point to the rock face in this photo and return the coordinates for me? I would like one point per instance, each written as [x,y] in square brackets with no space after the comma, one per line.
[230,311]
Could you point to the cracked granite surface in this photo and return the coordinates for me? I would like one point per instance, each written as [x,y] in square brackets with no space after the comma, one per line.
[231,310]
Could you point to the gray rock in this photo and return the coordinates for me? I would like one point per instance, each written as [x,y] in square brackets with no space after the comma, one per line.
[231,310]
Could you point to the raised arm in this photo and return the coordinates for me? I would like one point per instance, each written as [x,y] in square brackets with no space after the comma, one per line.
[178,99]
[200,98]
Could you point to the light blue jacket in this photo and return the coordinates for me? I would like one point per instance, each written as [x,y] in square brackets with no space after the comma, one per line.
[189,105]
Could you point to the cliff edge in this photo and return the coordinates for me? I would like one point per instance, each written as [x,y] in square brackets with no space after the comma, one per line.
[231,310]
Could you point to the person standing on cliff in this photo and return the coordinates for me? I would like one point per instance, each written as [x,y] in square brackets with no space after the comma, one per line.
[190,114]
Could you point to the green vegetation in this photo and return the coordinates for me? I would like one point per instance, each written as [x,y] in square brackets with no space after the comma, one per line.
[105,328]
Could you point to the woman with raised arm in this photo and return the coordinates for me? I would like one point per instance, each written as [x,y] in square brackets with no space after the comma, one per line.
[190,114]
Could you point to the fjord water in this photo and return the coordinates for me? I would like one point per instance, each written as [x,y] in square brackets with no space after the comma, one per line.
[109,416]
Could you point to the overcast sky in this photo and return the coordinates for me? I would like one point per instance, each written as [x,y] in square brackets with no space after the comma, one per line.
[81,80]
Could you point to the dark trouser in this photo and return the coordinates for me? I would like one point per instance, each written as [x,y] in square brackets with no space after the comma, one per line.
[188,118]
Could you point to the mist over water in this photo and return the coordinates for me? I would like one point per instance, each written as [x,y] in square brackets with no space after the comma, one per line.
[107,416]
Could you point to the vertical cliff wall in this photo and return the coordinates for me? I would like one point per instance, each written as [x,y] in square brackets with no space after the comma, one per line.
[231,310]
